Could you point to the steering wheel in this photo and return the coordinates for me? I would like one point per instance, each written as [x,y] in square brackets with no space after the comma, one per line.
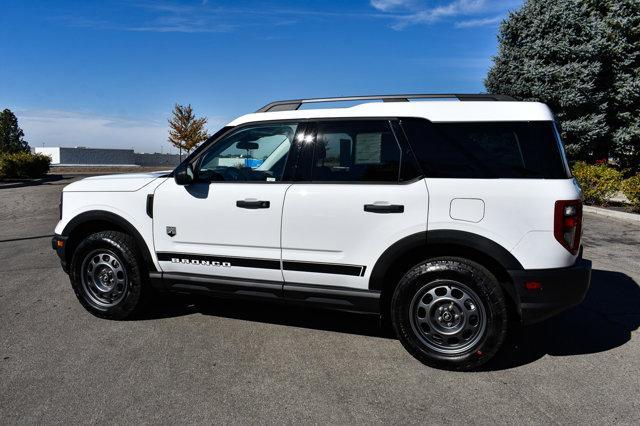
[230,174]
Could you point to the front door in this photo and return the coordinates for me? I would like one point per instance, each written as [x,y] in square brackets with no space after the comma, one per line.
[227,224]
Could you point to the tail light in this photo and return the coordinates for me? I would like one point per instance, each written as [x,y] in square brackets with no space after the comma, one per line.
[567,225]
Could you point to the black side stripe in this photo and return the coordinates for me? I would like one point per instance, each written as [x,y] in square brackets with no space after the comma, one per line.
[324,268]
[246,262]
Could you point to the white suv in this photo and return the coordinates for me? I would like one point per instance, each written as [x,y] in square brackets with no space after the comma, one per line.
[446,218]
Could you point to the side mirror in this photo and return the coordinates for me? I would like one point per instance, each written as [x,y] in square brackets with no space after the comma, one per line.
[184,175]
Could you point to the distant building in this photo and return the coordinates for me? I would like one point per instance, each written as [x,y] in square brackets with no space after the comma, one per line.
[80,156]
[156,159]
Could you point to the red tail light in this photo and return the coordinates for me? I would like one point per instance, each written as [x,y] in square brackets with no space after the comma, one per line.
[567,225]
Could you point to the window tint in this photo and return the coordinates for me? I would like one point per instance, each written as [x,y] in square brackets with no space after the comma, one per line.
[256,153]
[364,151]
[486,150]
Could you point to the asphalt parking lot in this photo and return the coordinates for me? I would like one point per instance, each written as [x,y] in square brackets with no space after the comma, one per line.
[209,361]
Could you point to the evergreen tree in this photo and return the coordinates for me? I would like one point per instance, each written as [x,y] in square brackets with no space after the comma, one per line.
[622,19]
[185,130]
[11,135]
[582,59]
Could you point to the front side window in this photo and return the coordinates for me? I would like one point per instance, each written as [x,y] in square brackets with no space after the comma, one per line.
[355,151]
[252,153]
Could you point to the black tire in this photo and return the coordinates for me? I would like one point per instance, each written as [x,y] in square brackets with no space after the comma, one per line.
[108,275]
[444,295]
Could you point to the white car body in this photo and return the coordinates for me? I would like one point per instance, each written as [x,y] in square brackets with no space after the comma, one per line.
[311,228]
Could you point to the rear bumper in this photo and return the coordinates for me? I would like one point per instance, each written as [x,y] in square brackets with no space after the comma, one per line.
[559,289]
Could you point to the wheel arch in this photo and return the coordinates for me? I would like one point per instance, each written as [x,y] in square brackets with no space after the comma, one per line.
[413,249]
[93,221]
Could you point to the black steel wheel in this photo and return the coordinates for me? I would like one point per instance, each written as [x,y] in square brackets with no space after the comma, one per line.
[104,279]
[448,316]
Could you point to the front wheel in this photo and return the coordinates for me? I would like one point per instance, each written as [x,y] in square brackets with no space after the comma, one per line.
[107,275]
[450,313]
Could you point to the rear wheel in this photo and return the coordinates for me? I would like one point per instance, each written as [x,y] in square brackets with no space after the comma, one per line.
[450,313]
[107,275]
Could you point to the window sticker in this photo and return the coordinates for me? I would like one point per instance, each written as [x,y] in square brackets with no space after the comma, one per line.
[368,148]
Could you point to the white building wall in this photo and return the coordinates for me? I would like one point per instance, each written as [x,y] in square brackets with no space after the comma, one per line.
[53,152]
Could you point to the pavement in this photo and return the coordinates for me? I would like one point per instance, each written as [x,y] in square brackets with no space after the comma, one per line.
[196,360]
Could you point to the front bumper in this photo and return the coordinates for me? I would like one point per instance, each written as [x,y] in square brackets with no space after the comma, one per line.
[545,292]
[59,243]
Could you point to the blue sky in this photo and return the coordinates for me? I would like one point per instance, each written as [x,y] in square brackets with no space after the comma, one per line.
[106,74]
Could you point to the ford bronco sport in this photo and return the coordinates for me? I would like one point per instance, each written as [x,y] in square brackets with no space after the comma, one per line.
[445,217]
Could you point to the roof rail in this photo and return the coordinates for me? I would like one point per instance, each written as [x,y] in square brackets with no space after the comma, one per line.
[294,104]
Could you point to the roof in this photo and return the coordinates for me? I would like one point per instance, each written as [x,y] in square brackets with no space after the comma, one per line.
[436,111]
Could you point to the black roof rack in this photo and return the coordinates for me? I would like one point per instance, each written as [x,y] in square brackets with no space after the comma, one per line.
[294,104]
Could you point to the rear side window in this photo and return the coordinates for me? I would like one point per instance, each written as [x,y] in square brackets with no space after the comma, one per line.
[362,151]
[516,150]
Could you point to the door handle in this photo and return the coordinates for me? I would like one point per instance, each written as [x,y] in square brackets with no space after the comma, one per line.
[253,204]
[384,208]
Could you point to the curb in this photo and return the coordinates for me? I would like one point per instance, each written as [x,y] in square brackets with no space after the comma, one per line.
[632,217]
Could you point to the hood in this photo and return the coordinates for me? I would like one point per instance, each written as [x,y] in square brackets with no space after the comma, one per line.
[125,182]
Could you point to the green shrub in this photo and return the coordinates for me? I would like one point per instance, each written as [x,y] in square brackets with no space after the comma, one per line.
[24,165]
[631,189]
[598,183]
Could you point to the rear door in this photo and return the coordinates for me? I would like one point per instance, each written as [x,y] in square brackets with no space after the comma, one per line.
[227,223]
[360,193]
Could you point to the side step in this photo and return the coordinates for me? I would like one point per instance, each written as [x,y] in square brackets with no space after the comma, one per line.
[340,298]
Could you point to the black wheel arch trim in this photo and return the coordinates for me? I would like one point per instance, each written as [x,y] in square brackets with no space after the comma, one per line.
[391,255]
[443,237]
[477,242]
[105,216]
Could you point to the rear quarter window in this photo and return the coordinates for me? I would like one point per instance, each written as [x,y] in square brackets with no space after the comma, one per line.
[515,150]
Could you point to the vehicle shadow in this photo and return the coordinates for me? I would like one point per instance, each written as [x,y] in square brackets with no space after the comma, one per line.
[269,312]
[605,320]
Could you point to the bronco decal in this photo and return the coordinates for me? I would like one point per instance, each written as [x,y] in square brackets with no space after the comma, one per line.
[200,262]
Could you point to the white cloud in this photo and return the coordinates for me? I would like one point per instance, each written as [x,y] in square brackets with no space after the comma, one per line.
[482,22]
[173,17]
[434,14]
[66,128]
[467,13]
[387,5]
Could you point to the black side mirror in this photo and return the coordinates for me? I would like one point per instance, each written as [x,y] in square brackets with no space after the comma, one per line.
[184,175]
